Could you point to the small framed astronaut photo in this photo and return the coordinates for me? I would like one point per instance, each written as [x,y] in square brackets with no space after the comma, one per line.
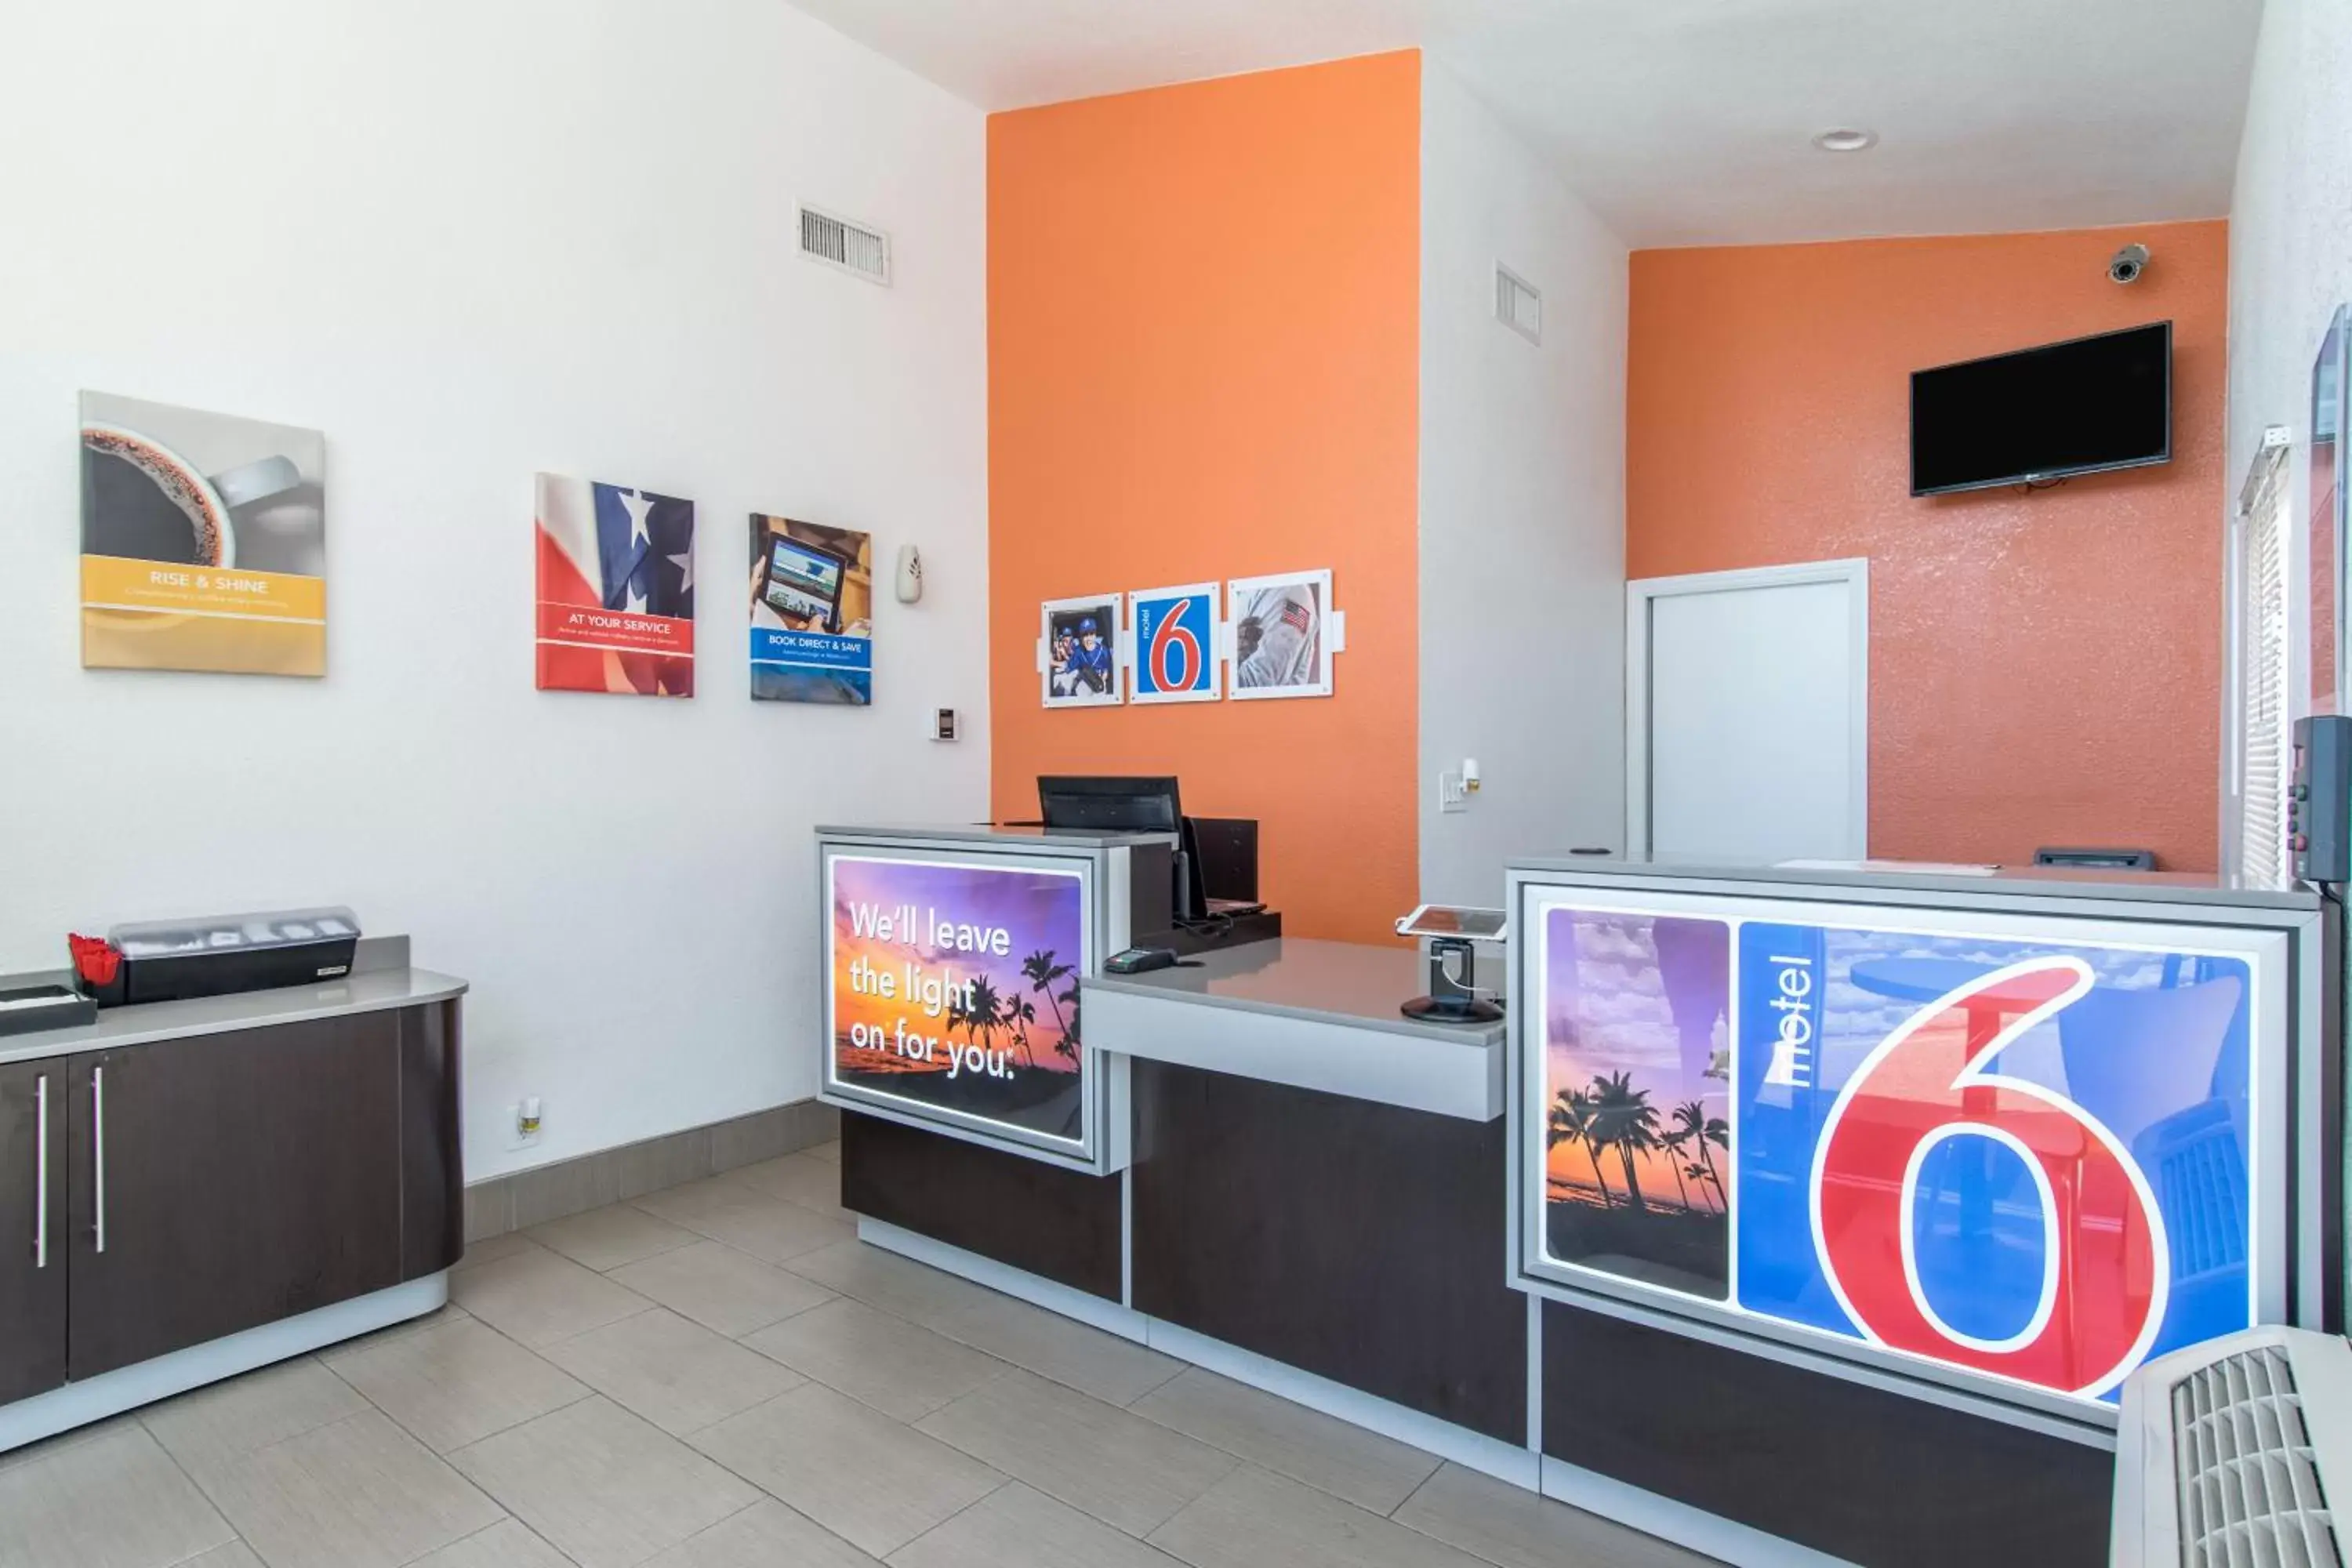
[1282,635]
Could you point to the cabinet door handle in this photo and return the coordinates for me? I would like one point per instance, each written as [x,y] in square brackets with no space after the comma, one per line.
[41,1172]
[97,1148]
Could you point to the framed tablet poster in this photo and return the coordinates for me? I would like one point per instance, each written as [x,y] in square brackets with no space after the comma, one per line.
[812,613]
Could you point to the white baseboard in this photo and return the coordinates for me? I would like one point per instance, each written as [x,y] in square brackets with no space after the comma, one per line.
[1108,1316]
[129,1387]
[1733,1542]
[1474,1450]
[1506,1461]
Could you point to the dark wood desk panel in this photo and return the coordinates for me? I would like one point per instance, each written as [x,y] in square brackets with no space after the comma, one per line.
[1356,1241]
[1058,1224]
[1877,1477]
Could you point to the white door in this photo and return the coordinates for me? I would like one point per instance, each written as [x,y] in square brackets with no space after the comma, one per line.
[1748,714]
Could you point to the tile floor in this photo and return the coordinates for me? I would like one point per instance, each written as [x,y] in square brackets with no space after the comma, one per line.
[721,1375]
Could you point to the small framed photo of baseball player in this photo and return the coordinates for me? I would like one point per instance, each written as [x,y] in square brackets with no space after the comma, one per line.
[1078,652]
[1282,635]
[1174,634]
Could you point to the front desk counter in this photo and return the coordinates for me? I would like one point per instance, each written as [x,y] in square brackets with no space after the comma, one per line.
[1315,1180]
[1325,1199]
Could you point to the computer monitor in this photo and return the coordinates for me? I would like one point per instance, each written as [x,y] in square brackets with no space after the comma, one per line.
[1110,804]
[1224,852]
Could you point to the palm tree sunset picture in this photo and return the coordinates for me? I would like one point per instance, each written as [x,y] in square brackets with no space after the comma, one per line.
[1636,1094]
[957,987]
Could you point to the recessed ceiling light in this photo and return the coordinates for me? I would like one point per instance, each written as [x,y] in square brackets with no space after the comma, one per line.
[1845,140]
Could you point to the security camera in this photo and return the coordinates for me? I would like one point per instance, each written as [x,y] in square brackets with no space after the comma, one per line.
[2128,263]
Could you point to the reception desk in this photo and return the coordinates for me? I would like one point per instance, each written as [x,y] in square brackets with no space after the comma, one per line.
[1618,1304]
[1311,1199]
[1935,1162]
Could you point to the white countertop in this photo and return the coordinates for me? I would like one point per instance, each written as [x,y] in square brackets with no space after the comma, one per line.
[1351,983]
[1313,1014]
[371,987]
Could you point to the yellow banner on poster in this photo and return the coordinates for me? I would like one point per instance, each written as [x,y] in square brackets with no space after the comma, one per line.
[118,583]
[155,614]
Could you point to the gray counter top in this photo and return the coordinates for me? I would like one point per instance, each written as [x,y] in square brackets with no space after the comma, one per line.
[1346,982]
[381,978]
[991,833]
[2196,887]
[1314,1015]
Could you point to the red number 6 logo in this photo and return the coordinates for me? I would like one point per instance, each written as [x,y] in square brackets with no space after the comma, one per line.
[2105,1266]
[1172,638]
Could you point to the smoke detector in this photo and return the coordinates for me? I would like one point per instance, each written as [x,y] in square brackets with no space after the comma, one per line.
[1846,138]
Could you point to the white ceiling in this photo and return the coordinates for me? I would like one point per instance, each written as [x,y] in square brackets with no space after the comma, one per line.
[1688,121]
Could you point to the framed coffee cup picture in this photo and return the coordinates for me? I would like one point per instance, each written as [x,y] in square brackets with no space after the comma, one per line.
[203,541]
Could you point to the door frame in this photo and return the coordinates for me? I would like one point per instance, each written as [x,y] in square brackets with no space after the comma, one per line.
[1641,595]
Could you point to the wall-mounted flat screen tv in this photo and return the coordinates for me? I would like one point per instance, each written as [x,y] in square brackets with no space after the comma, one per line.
[2079,407]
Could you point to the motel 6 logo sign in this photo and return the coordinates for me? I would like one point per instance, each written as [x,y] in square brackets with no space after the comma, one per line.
[2103,1230]
[1175,644]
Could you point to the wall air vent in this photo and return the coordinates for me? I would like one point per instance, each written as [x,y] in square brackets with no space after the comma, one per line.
[1519,304]
[853,246]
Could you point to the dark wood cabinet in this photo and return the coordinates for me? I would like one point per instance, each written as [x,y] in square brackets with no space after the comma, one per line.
[33,1251]
[231,1180]
[432,1161]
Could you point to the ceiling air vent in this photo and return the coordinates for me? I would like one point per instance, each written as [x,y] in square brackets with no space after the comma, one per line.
[852,246]
[1519,304]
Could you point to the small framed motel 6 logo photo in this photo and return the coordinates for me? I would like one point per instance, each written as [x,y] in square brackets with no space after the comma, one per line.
[1175,645]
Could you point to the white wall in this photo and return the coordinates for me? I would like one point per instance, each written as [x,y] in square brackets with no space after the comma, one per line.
[470,242]
[1522,506]
[2290,267]
[2290,219]
[2290,247]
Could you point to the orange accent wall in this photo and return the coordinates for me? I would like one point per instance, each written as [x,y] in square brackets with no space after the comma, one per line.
[2044,668]
[1203,324]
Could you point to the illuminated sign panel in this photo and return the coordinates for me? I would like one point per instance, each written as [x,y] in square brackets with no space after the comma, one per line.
[2031,1150]
[951,993]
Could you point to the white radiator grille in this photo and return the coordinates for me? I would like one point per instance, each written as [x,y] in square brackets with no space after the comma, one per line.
[852,246]
[2249,1485]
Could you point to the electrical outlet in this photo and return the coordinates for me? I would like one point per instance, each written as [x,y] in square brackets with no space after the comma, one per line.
[525,1120]
[1452,795]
